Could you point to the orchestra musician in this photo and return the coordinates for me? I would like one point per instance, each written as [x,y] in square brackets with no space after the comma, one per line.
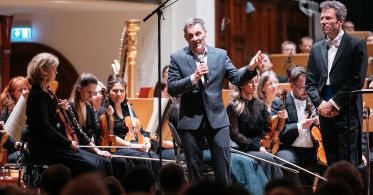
[82,92]
[336,66]
[48,139]
[297,145]
[16,87]
[249,121]
[123,124]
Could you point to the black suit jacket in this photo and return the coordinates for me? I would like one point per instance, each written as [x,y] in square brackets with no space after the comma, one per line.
[204,98]
[290,131]
[347,73]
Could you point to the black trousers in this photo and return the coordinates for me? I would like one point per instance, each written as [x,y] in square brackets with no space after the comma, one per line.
[335,137]
[193,144]
[79,161]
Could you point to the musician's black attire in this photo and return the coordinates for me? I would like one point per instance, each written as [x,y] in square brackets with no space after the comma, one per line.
[248,129]
[48,140]
[91,127]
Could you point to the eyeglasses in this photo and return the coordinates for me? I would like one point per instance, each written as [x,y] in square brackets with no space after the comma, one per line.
[299,87]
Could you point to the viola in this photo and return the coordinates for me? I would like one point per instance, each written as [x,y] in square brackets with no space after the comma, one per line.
[133,124]
[316,136]
[271,140]
[3,151]
[70,132]
[107,137]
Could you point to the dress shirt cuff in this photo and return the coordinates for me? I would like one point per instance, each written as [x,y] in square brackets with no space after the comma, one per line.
[299,126]
[335,104]
[193,79]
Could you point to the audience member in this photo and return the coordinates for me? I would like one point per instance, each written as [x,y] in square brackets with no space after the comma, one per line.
[282,187]
[113,186]
[86,184]
[54,179]
[140,181]
[334,187]
[305,44]
[348,26]
[173,180]
[267,64]
[288,47]
[347,173]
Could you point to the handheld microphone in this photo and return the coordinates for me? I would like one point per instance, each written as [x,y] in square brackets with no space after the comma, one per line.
[201,59]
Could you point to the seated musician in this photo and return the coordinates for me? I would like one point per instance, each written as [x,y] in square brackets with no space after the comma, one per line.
[297,145]
[82,92]
[16,87]
[48,137]
[123,128]
[268,91]
[167,140]
[249,121]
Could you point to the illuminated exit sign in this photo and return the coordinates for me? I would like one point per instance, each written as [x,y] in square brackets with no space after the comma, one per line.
[21,34]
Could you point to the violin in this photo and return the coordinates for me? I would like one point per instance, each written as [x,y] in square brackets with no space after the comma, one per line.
[3,151]
[70,132]
[316,136]
[271,140]
[107,137]
[133,124]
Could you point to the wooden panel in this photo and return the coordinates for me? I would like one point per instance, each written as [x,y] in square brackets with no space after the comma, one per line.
[264,29]
[368,102]
[225,94]
[360,34]
[370,50]
[143,108]
[282,86]
[279,62]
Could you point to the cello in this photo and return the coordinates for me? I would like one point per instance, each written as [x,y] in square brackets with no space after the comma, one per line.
[271,140]
[133,124]
[107,137]
[316,136]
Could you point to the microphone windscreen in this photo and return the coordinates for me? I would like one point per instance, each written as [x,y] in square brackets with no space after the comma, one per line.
[201,58]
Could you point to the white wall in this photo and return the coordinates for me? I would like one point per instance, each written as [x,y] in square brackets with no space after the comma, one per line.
[90,36]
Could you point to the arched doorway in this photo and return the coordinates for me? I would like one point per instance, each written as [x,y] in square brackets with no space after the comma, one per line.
[23,52]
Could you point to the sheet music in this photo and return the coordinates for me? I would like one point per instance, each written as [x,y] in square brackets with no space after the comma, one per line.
[153,121]
[17,119]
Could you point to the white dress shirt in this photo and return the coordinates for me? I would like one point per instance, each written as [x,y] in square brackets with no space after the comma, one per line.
[192,77]
[332,51]
[304,139]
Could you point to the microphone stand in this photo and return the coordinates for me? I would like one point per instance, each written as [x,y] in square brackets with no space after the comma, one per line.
[354,93]
[159,12]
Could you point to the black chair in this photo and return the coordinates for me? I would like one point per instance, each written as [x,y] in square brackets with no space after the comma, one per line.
[178,147]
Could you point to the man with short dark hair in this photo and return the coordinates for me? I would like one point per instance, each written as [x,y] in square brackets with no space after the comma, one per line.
[336,66]
[197,74]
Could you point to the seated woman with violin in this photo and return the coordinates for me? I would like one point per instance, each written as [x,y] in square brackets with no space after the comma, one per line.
[249,121]
[127,128]
[49,140]
[16,87]
[82,92]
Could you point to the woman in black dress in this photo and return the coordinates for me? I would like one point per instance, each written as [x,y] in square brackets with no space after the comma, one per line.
[81,94]
[249,121]
[48,139]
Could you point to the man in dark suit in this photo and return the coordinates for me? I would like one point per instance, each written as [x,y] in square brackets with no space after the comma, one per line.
[197,73]
[297,145]
[337,66]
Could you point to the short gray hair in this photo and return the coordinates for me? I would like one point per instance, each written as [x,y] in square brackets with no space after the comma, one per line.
[193,21]
[340,8]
